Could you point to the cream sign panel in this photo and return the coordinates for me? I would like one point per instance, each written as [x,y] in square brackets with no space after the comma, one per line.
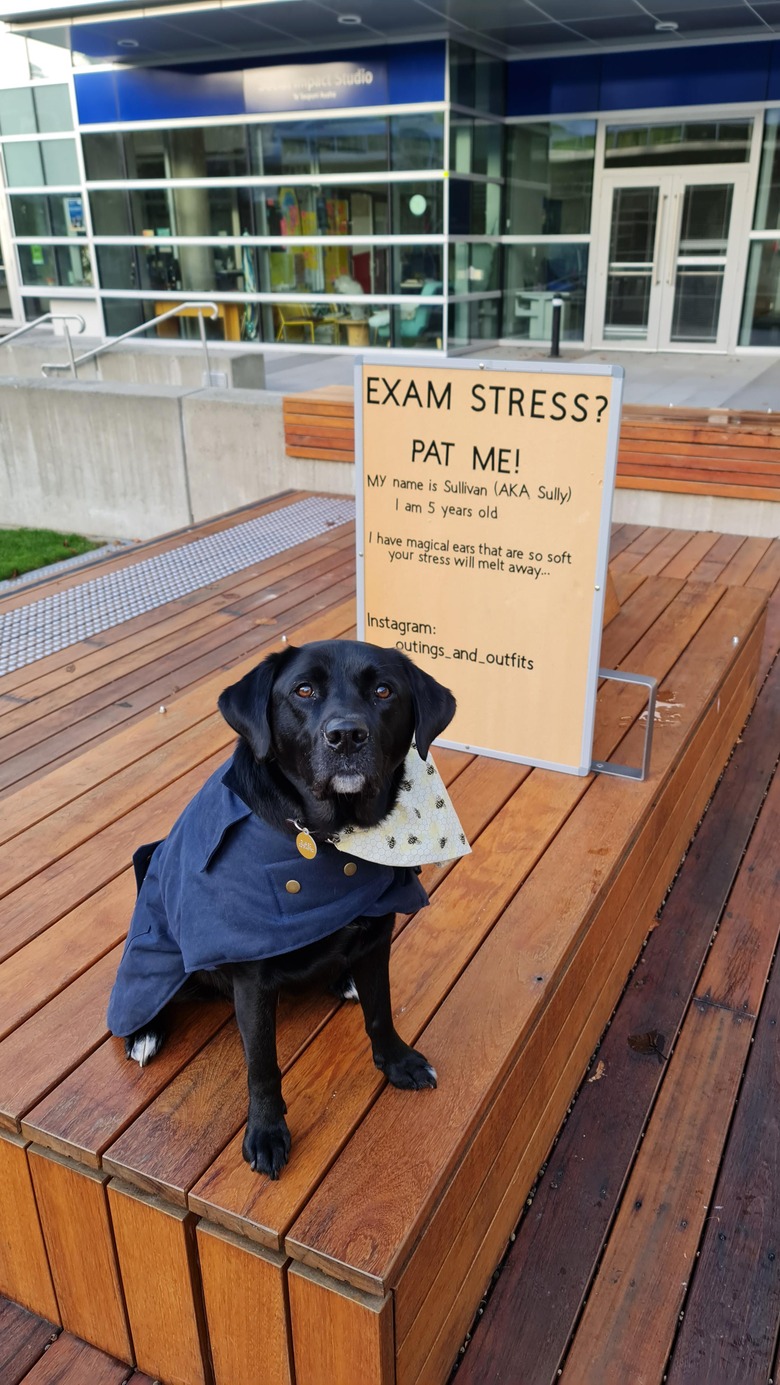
[483,538]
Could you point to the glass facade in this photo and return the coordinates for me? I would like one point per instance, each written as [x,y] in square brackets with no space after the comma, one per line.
[421,228]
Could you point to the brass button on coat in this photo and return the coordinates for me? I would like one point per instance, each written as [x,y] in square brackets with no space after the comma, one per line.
[350,868]
[292,887]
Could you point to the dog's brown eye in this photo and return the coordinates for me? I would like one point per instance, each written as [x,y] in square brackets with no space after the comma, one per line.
[304,690]
[383,691]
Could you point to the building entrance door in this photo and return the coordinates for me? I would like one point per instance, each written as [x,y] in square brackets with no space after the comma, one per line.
[667,272]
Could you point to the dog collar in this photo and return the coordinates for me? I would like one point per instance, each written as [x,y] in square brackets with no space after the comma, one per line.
[422,828]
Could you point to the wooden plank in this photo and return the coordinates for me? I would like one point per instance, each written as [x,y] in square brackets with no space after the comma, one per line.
[130,744]
[690,556]
[644,544]
[62,664]
[180,616]
[132,675]
[737,573]
[245,1295]
[766,574]
[71,1362]
[535,1099]
[80,1247]
[375,1240]
[90,1107]
[155,1245]
[358,1342]
[722,552]
[559,1241]
[657,559]
[634,1303]
[729,1331]
[54,1040]
[23,1339]
[24,1267]
[63,737]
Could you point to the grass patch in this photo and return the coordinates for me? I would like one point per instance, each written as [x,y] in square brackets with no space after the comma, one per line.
[24,550]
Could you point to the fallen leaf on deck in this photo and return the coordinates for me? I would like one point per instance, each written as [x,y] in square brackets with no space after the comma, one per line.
[651,1042]
[599,1071]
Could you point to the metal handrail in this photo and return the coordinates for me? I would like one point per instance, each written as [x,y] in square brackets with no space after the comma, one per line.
[202,309]
[53,317]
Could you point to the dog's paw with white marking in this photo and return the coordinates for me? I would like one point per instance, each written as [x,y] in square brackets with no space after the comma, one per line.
[345,988]
[145,1044]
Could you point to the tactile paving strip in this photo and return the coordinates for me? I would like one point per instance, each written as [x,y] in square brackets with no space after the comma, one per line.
[64,618]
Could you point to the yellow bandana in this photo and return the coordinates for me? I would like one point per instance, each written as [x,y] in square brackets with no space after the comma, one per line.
[422,828]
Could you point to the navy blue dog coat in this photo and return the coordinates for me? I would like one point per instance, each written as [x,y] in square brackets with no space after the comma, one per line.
[222,888]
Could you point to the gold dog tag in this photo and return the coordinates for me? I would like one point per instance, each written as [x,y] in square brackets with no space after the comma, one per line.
[306,845]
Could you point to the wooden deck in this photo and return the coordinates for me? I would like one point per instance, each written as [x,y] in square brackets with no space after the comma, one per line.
[129,1216]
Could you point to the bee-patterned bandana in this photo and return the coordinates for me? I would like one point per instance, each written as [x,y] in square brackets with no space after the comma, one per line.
[422,828]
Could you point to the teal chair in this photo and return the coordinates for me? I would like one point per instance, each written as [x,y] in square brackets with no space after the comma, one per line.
[411,327]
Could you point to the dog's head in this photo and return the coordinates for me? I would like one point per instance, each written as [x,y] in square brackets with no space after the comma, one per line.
[337,717]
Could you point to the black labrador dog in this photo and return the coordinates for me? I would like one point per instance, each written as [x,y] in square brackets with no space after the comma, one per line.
[324,731]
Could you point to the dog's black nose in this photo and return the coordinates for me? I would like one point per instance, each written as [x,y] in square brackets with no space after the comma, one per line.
[345,733]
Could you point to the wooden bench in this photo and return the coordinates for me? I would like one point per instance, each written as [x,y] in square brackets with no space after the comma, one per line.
[129,1215]
[693,451]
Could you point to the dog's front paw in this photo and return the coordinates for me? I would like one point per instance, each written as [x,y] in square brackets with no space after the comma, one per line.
[410,1070]
[266,1148]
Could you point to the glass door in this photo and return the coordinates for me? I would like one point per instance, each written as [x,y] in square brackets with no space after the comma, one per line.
[667,264]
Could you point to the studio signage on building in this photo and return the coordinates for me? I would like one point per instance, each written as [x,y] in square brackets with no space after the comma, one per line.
[314,86]
[484,511]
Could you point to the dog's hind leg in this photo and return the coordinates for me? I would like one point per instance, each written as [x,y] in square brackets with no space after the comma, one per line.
[145,1043]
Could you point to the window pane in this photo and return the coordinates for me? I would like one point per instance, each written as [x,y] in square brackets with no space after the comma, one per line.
[48,216]
[23,165]
[679,142]
[52,105]
[35,307]
[761,313]
[321,146]
[321,211]
[767,216]
[110,213]
[475,208]
[549,178]
[533,276]
[60,165]
[17,112]
[145,154]
[417,209]
[351,271]
[103,156]
[416,141]
[5,297]
[415,266]
[474,268]
[117,266]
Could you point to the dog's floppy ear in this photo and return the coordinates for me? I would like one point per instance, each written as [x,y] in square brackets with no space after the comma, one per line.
[244,705]
[434,707]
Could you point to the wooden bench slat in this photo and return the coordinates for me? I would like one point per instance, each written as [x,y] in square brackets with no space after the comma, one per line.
[559,1242]
[25,1276]
[242,1285]
[709,488]
[653,1244]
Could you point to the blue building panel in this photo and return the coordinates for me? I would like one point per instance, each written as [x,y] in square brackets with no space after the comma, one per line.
[706,75]
[399,75]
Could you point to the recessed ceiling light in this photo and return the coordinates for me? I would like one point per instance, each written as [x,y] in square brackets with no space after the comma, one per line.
[127,43]
[350,19]
[666,26]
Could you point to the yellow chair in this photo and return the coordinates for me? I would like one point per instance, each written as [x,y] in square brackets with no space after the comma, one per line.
[294,315]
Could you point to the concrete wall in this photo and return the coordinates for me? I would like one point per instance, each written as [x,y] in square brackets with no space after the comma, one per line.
[758,518]
[234,441]
[137,362]
[131,461]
